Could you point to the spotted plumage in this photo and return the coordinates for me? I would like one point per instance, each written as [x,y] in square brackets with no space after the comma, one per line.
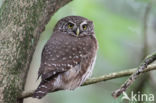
[68,56]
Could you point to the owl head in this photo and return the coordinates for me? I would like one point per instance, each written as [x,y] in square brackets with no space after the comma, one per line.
[75,26]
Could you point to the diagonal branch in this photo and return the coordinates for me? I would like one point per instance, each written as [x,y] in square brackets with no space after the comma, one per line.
[145,48]
[148,60]
[114,75]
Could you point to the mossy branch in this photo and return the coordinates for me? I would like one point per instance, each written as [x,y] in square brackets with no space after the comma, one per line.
[114,75]
[21,23]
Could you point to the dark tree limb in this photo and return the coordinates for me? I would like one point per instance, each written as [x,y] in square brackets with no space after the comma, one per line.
[21,23]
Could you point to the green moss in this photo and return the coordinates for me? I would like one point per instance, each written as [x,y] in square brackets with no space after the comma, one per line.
[21,60]
[25,19]
[11,91]
[4,10]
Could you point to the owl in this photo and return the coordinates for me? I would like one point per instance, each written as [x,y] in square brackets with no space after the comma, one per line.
[68,56]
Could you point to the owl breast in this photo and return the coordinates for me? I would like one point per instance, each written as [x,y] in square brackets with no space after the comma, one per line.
[83,56]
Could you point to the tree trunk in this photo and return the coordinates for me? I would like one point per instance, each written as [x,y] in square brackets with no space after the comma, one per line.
[21,23]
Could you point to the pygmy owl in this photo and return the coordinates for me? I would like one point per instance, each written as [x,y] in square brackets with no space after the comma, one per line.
[68,57]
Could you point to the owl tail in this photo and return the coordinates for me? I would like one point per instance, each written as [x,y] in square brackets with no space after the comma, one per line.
[43,89]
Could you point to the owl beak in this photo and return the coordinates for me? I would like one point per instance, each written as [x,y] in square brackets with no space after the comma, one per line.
[77,31]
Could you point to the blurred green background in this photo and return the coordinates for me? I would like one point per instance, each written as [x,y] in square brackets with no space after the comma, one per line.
[119,30]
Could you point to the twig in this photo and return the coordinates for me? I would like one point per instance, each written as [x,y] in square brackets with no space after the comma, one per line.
[142,80]
[100,78]
[133,77]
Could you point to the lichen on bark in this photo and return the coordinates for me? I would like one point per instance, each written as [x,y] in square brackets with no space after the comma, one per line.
[21,22]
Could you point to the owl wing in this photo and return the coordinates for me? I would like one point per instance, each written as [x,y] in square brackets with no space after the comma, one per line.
[57,57]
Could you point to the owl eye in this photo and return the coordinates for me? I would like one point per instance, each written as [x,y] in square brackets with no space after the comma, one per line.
[84,27]
[70,25]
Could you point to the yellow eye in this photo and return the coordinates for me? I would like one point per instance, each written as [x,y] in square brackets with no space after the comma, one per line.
[84,27]
[70,25]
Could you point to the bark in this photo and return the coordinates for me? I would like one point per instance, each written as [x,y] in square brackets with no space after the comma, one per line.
[21,23]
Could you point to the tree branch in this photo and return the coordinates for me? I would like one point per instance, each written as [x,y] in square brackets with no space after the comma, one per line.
[145,48]
[109,76]
[148,60]
[21,23]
